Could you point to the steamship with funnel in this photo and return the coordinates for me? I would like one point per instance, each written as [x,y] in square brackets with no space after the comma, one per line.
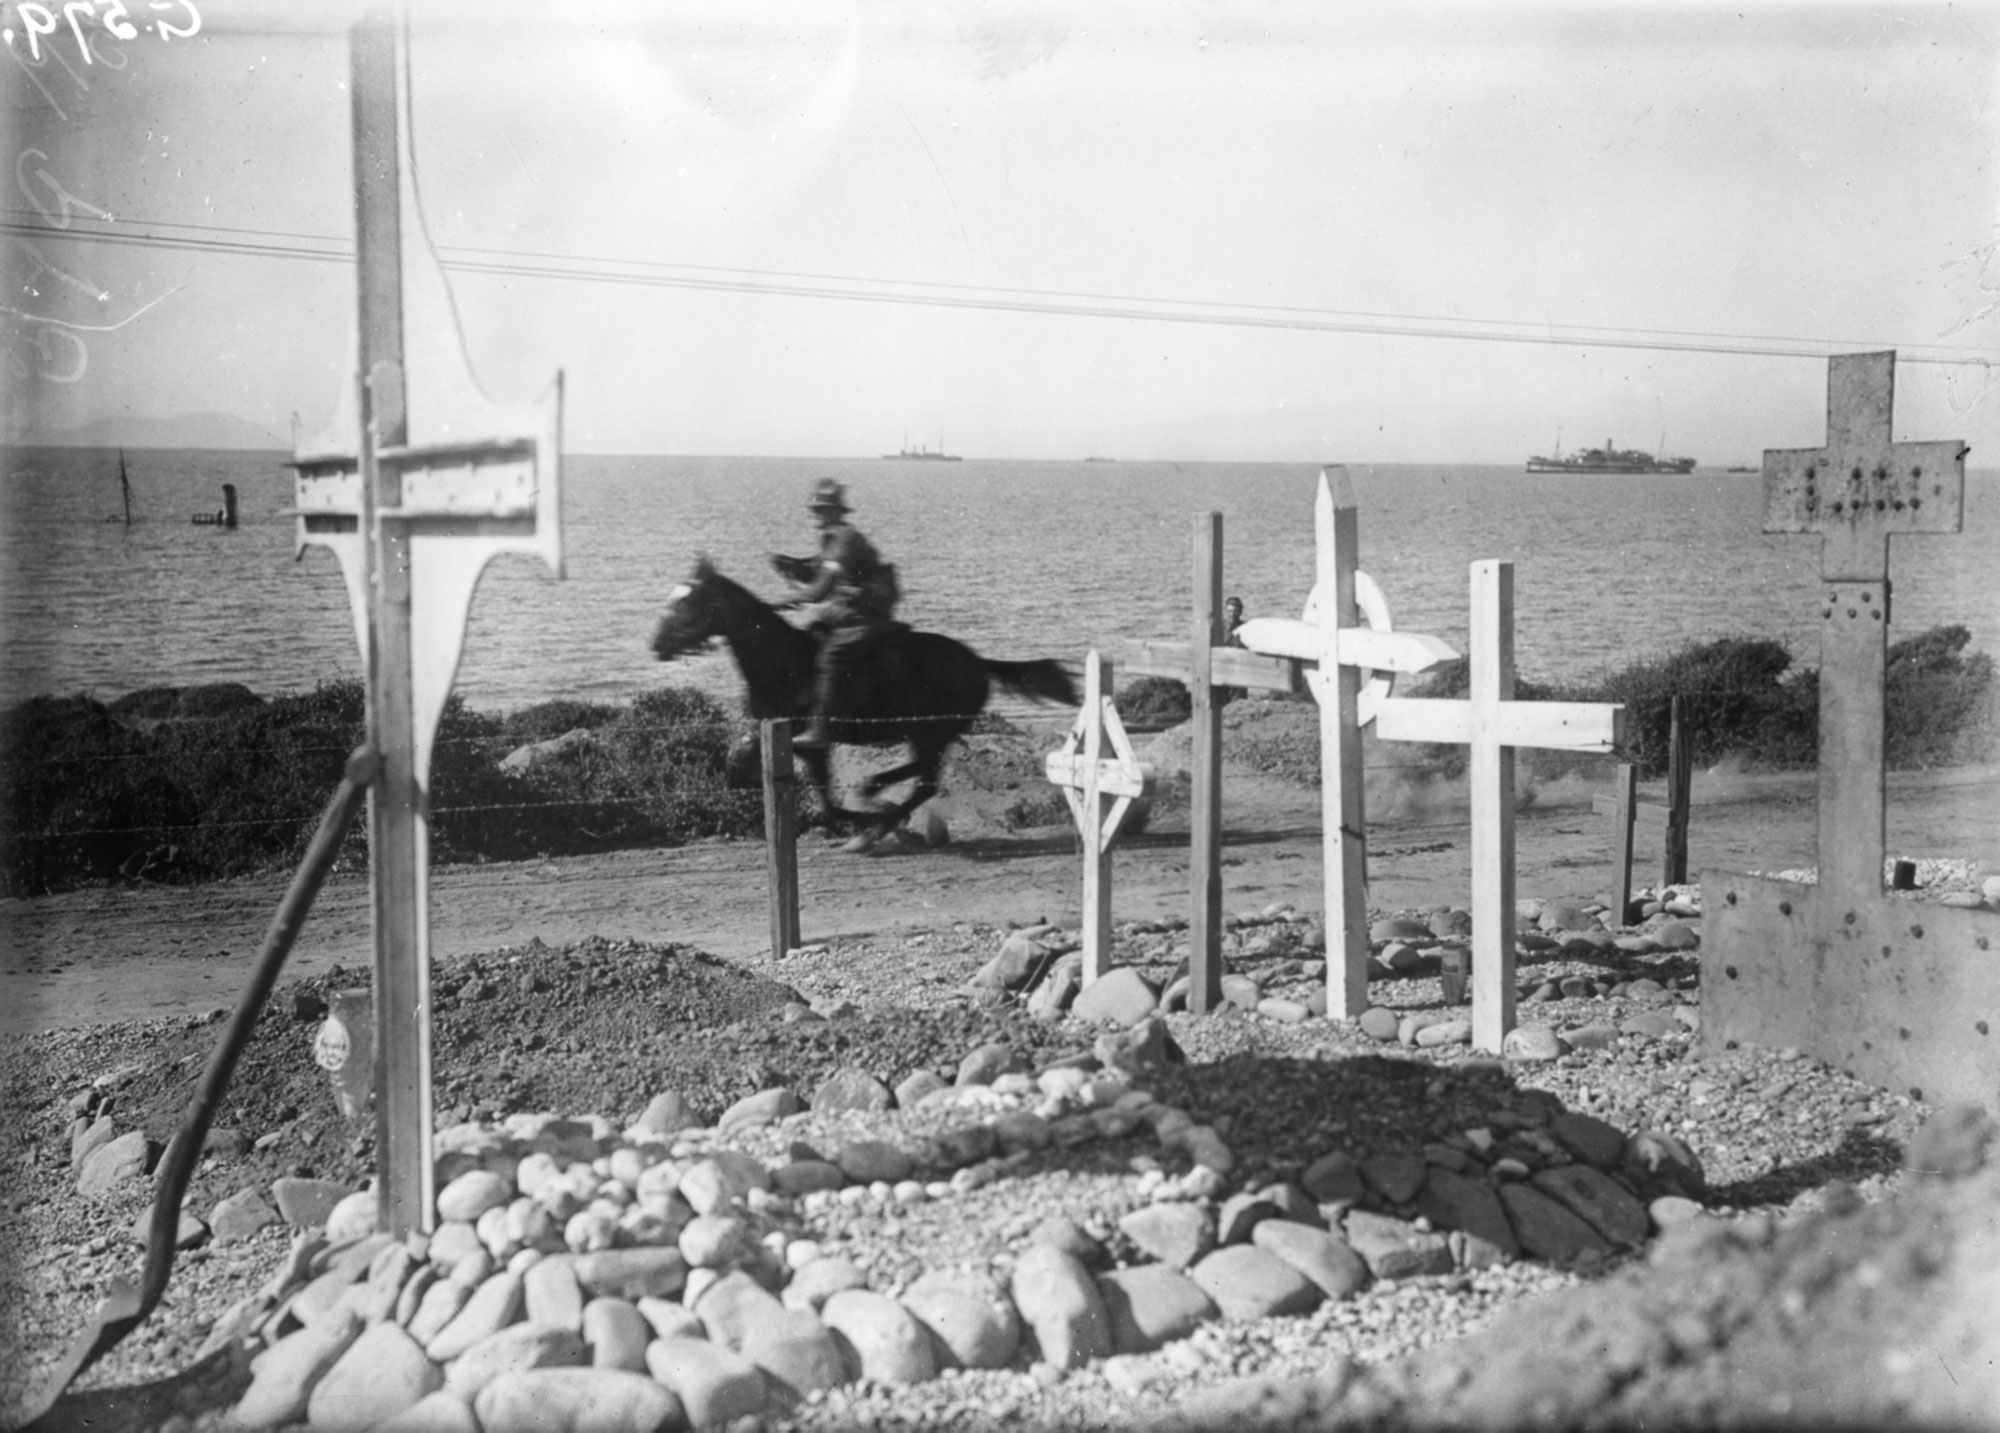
[1609,459]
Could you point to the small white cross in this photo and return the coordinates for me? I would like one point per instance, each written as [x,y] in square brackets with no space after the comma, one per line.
[1101,791]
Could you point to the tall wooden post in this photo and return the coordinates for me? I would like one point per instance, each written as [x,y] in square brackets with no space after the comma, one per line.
[399,855]
[1336,687]
[1680,783]
[1205,838]
[781,834]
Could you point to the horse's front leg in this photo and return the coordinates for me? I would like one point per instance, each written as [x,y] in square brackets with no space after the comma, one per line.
[819,768]
[924,764]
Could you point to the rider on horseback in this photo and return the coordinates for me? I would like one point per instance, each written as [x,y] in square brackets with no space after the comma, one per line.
[856,594]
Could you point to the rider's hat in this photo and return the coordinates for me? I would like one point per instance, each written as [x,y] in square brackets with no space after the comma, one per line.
[828,494]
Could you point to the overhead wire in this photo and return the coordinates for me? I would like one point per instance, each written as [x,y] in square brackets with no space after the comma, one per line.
[240,242]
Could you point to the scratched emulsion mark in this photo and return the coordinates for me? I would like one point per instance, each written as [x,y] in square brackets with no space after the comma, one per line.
[1969,382]
[49,305]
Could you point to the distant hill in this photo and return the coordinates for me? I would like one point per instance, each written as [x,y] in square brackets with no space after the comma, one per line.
[186,430]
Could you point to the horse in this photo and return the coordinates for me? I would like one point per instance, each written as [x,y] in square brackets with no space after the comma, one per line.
[919,688]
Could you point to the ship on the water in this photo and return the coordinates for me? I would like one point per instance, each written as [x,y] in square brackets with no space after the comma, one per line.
[1609,459]
[924,455]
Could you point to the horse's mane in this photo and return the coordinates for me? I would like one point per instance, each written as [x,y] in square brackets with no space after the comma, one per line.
[763,615]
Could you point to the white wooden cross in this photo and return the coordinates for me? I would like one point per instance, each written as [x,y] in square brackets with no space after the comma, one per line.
[1330,636]
[414,496]
[1101,791]
[1493,724]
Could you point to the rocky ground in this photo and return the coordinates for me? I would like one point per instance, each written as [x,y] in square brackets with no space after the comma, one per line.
[1833,1268]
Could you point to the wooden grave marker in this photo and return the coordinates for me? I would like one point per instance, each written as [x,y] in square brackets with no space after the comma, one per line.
[1331,638]
[1901,993]
[1286,655]
[1101,789]
[414,492]
[1666,823]
[1493,724]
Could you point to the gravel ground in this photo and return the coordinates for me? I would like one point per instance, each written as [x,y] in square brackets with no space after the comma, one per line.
[602,1027]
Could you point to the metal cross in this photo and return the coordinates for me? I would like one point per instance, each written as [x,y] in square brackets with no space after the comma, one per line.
[1855,491]
[414,499]
[1902,993]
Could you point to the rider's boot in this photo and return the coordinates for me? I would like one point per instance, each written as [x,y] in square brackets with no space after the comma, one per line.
[816,733]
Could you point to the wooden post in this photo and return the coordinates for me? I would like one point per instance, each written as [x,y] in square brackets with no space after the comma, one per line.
[1336,688]
[1492,800]
[398,849]
[1680,783]
[781,834]
[1205,726]
[1100,787]
[1090,822]
[1624,816]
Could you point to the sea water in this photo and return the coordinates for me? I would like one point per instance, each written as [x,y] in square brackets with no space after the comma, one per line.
[1018,559]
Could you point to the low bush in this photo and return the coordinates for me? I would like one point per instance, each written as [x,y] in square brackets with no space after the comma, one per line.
[1943,708]
[192,784]
[1153,702]
[185,784]
[1743,699]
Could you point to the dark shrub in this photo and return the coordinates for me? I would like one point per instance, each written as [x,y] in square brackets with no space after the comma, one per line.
[215,699]
[545,720]
[1153,702]
[71,797]
[1939,702]
[1737,701]
[154,703]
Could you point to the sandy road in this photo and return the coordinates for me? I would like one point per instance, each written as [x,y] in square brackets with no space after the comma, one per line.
[113,953]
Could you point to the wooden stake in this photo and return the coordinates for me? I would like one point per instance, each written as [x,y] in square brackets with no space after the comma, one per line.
[1680,785]
[1205,726]
[781,834]
[1492,794]
[1336,687]
[1624,816]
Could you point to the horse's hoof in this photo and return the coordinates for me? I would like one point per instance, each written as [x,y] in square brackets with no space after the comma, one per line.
[862,844]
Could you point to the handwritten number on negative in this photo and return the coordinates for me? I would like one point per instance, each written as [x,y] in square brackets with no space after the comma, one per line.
[39,20]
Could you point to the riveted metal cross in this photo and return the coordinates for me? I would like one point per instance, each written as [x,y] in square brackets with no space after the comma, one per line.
[1855,492]
[417,485]
[1902,993]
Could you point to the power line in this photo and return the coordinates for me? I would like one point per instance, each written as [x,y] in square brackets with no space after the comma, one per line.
[286,244]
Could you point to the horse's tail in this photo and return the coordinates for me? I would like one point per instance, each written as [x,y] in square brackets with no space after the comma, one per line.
[1042,680]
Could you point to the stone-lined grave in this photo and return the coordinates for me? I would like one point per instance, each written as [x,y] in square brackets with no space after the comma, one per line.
[633,1277]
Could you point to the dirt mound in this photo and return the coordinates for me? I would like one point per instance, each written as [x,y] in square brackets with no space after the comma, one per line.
[596,1027]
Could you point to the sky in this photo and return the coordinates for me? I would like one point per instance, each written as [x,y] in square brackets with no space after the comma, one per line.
[1206,231]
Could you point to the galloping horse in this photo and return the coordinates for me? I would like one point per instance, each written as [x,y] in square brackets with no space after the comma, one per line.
[915,687]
